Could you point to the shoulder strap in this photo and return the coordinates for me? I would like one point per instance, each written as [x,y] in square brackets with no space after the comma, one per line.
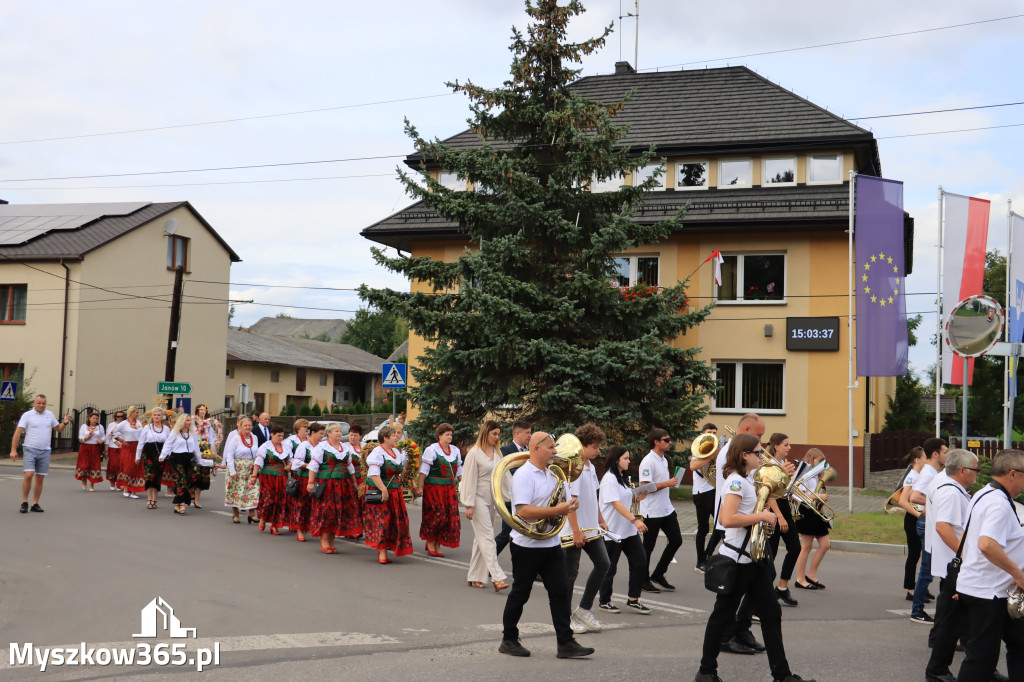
[963,538]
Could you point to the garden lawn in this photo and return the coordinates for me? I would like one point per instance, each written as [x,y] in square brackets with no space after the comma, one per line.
[869,527]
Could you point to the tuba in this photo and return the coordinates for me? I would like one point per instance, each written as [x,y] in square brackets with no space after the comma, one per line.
[705,446]
[813,501]
[771,481]
[567,467]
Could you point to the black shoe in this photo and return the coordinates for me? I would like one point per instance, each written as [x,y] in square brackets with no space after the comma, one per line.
[36,507]
[648,586]
[746,638]
[733,646]
[808,586]
[910,597]
[999,677]
[24,508]
[251,519]
[928,599]
[794,678]
[784,597]
[929,595]
[946,677]
[572,649]
[637,607]
[700,568]
[663,584]
[704,677]
[513,647]
[921,618]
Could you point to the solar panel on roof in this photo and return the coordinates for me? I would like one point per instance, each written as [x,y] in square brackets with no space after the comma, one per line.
[20,223]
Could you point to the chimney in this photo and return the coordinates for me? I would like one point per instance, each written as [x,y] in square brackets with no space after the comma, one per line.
[622,68]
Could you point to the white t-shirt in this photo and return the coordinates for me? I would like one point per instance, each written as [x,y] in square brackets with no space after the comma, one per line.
[911,479]
[700,484]
[924,480]
[612,491]
[720,481]
[38,428]
[534,487]
[991,514]
[584,488]
[654,468]
[743,486]
[947,502]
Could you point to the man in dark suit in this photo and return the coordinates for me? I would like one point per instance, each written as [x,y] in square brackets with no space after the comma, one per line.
[521,432]
[262,428]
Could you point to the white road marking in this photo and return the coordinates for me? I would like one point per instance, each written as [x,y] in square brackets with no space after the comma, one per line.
[908,612]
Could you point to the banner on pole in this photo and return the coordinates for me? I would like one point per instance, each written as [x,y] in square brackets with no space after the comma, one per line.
[965,235]
[882,339]
[1015,306]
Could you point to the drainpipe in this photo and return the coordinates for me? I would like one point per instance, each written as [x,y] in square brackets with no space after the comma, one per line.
[64,337]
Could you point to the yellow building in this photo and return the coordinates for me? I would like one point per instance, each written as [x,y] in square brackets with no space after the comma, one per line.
[85,292]
[763,175]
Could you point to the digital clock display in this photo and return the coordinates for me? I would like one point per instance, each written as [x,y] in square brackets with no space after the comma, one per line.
[812,333]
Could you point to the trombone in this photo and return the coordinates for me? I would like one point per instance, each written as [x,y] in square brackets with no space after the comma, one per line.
[813,500]
[566,541]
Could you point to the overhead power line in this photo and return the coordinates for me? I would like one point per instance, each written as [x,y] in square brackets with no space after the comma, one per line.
[935,111]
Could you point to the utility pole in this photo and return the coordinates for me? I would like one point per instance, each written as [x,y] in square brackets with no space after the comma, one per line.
[172,337]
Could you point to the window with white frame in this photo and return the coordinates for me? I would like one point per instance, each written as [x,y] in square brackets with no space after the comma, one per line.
[611,184]
[750,387]
[691,175]
[735,173]
[824,168]
[451,181]
[778,171]
[633,270]
[753,278]
[643,173]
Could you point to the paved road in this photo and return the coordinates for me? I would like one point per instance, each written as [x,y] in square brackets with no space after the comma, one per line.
[83,570]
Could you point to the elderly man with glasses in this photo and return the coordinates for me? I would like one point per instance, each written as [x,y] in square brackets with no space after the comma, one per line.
[657,510]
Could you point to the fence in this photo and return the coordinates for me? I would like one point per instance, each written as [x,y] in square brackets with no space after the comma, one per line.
[889,448]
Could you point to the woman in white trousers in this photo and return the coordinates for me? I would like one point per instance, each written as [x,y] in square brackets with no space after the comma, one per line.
[475,493]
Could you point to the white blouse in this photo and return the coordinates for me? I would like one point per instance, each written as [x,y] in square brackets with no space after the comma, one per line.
[316,459]
[349,448]
[150,435]
[268,449]
[127,431]
[177,444]
[95,438]
[236,449]
[112,434]
[375,460]
[434,451]
[299,456]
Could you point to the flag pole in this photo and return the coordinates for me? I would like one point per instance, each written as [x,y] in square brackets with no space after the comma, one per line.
[938,322]
[849,325]
[1007,400]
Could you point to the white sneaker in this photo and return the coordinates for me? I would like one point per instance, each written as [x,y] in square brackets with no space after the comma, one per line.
[127,494]
[134,497]
[586,616]
[578,628]
[113,487]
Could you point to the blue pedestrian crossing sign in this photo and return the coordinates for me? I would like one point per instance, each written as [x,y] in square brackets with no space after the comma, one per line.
[8,390]
[394,375]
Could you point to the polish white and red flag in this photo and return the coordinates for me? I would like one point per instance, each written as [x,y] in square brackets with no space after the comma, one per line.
[964,239]
[716,256]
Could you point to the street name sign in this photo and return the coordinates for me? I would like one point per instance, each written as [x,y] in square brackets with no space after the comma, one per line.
[174,387]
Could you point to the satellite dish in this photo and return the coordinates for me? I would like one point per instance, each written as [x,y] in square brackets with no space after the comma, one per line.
[974,326]
[170,226]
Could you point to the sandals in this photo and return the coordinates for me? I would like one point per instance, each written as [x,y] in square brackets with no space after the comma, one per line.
[150,504]
[475,583]
[500,585]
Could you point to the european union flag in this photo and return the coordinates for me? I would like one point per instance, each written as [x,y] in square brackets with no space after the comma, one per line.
[880,278]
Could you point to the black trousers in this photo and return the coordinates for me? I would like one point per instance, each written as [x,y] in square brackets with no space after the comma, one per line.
[669,525]
[913,552]
[595,549]
[633,548]
[705,504]
[987,623]
[950,624]
[753,582]
[527,564]
[792,539]
[716,537]
[504,536]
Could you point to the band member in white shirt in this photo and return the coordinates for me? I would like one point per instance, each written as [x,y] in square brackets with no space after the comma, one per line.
[586,524]
[992,559]
[657,509]
[616,507]
[916,460]
[935,451]
[703,502]
[532,488]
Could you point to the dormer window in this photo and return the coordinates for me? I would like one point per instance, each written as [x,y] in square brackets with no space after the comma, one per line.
[779,172]
[691,175]
[824,169]
[642,174]
[735,173]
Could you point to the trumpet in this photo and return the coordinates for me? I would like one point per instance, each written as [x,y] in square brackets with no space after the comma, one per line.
[566,541]
[705,446]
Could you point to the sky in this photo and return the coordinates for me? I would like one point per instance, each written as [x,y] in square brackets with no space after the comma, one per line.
[88,72]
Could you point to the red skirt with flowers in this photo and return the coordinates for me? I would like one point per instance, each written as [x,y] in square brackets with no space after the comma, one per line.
[88,464]
[299,509]
[273,506]
[338,510]
[386,525]
[441,519]
[113,464]
[132,478]
[168,477]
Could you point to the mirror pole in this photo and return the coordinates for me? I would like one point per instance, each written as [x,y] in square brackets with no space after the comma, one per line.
[963,435]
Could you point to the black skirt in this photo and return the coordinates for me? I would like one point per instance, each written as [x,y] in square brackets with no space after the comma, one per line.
[811,523]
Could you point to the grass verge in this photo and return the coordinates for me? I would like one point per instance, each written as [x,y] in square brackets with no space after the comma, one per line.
[869,527]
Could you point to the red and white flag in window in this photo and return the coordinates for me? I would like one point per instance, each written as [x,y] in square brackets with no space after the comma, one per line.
[716,256]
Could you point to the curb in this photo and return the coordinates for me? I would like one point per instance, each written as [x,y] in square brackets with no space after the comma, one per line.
[850,546]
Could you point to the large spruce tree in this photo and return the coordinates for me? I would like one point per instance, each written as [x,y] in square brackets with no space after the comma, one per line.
[527,322]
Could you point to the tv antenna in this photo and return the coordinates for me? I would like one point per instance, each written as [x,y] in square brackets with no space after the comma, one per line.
[635,14]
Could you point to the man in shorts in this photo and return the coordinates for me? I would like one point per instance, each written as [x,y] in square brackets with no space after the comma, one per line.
[37,424]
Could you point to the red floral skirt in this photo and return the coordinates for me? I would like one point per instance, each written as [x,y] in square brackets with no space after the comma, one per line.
[113,464]
[132,477]
[168,475]
[386,526]
[299,509]
[88,465]
[441,519]
[337,511]
[273,501]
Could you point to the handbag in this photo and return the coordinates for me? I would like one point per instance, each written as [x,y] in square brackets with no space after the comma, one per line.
[321,485]
[721,571]
[374,495]
[291,488]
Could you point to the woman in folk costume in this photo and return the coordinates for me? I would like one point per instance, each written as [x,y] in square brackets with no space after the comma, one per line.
[90,438]
[113,450]
[167,476]
[354,447]
[386,524]
[300,434]
[181,449]
[272,466]
[337,510]
[132,476]
[241,493]
[209,432]
[300,506]
[151,441]
[440,469]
